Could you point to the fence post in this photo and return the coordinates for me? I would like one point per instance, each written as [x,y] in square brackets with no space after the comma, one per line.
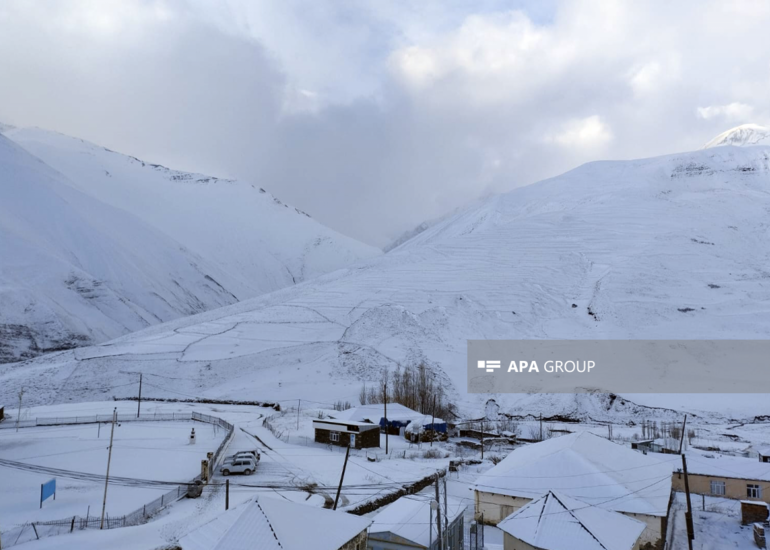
[72,527]
[35,529]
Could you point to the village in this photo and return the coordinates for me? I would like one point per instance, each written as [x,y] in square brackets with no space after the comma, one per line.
[379,476]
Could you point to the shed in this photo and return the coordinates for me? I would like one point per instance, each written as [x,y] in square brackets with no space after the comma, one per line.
[585,466]
[558,522]
[753,511]
[347,433]
[409,524]
[276,524]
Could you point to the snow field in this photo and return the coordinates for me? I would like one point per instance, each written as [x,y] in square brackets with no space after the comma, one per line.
[144,450]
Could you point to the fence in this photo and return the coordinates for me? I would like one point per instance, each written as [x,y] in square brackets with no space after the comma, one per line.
[94,419]
[39,529]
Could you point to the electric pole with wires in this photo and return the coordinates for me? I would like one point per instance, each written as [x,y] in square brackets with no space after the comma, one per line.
[109,459]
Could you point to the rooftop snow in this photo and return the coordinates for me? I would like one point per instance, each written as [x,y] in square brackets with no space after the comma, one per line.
[726,466]
[374,413]
[275,524]
[409,517]
[585,466]
[556,521]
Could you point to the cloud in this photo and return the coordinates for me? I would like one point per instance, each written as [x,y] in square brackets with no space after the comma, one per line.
[589,132]
[375,116]
[731,112]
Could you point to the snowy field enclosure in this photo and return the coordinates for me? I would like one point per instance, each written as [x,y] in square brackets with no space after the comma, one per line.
[143,450]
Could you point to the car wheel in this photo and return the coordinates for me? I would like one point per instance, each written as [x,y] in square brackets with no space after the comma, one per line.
[225,472]
[247,472]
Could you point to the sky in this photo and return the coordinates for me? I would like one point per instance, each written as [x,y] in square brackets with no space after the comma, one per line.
[374,116]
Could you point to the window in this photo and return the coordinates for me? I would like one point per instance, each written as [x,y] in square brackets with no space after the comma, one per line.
[334,436]
[718,488]
[753,491]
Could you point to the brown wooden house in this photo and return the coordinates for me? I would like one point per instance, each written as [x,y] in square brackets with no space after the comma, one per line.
[346,433]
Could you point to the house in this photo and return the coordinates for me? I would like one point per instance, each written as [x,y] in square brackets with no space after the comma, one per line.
[725,476]
[347,433]
[277,524]
[667,445]
[585,466]
[399,416]
[426,428]
[409,524]
[555,521]
[764,454]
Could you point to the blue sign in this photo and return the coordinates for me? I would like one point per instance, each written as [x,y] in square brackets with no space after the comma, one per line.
[46,490]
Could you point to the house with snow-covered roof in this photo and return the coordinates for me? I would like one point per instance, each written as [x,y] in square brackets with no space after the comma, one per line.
[556,521]
[277,524]
[399,416]
[724,476]
[409,523]
[585,466]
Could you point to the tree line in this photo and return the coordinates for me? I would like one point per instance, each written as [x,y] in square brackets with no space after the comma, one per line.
[414,387]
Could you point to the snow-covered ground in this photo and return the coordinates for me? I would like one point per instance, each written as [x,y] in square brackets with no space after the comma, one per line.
[298,470]
[716,528]
[662,248]
[96,244]
[157,451]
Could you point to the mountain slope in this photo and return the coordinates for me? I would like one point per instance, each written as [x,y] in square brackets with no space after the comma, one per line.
[746,134]
[261,242]
[668,247]
[74,270]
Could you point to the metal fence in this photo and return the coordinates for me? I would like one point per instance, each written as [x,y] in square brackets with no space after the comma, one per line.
[103,418]
[36,530]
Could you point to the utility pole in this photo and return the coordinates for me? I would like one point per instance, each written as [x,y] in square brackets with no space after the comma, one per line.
[109,458]
[688,517]
[433,420]
[18,416]
[446,512]
[541,426]
[139,401]
[339,489]
[385,395]
[681,438]
[482,439]
[299,405]
[439,538]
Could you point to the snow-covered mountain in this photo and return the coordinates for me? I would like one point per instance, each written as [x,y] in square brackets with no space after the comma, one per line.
[668,247]
[746,134]
[74,270]
[94,244]
[261,242]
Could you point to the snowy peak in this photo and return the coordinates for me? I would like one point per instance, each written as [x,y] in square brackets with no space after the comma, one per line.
[745,134]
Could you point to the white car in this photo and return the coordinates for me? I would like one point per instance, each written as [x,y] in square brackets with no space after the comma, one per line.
[244,465]
[253,455]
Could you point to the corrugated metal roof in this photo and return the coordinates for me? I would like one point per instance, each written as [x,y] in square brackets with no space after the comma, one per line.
[558,522]
[276,524]
[588,467]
